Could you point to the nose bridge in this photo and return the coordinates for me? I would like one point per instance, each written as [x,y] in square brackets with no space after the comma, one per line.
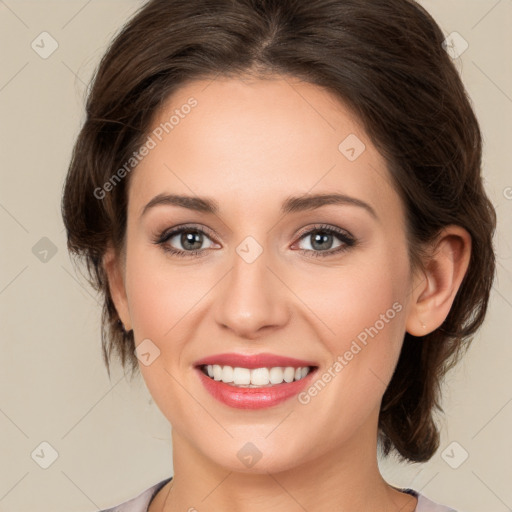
[251,297]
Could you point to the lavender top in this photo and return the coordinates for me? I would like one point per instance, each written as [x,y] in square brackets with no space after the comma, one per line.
[141,502]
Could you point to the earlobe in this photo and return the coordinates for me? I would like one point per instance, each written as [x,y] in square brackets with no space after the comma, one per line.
[114,272]
[433,294]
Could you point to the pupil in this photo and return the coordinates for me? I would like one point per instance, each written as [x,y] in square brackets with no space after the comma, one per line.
[319,239]
[191,237]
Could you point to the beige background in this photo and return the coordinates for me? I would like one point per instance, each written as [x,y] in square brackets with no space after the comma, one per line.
[112,441]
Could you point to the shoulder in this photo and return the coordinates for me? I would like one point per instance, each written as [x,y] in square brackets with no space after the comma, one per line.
[427,505]
[140,502]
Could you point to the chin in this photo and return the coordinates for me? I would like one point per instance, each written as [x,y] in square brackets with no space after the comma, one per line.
[255,455]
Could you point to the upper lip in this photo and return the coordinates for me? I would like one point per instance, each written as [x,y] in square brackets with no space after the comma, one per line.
[264,360]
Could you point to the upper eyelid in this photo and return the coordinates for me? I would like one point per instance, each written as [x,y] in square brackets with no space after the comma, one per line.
[324,227]
[171,232]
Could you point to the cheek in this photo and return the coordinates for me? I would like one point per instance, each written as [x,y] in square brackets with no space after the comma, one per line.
[159,294]
[365,312]
[354,298]
[160,305]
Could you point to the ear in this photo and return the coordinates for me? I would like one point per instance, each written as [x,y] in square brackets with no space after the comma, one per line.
[434,290]
[114,269]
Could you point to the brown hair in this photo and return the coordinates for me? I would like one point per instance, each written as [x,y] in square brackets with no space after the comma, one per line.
[382,58]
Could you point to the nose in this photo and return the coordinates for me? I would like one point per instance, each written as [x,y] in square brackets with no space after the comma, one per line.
[252,299]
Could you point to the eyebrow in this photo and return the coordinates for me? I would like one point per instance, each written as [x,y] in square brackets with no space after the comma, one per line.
[292,204]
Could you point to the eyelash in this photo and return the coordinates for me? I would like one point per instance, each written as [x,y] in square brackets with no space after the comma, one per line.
[343,236]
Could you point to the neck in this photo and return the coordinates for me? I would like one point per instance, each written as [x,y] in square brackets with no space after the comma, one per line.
[344,480]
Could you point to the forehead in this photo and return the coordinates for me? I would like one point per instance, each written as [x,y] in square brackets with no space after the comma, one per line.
[247,140]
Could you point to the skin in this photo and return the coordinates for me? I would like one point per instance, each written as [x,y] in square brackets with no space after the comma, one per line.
[250,144]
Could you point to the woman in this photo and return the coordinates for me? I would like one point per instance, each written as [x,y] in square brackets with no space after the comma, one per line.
[282,205]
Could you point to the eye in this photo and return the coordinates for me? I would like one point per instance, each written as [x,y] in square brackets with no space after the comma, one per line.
[321,239]
[190,238]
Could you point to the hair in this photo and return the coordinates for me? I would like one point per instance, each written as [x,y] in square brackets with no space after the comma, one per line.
[385,60]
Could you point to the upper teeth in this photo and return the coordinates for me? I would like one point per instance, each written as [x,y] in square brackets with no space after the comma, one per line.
[257,376]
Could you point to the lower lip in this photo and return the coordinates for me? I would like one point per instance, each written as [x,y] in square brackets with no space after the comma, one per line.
[254,398]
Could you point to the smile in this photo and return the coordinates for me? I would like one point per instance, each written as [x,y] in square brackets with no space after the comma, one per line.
[254,381]
[257,377]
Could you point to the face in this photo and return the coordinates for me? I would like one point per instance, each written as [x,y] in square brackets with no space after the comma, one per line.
[326,282]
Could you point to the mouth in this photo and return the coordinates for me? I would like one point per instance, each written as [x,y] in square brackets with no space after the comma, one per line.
[257,377]
[254,381]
